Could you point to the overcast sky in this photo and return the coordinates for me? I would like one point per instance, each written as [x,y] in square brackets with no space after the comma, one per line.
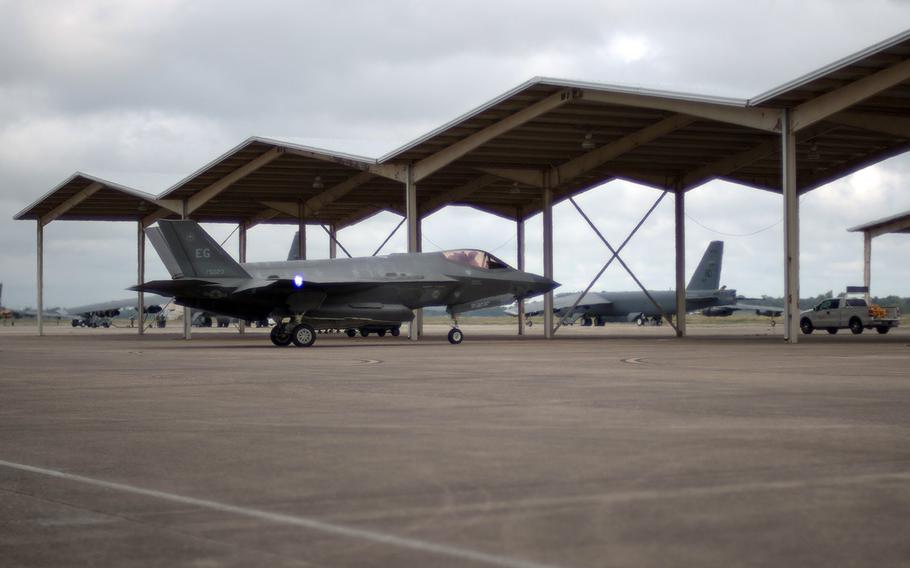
[144,92]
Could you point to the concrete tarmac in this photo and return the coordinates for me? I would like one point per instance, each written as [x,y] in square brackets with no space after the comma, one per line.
[606,447]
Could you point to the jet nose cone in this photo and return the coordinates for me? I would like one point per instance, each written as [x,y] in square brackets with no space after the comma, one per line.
[542,285]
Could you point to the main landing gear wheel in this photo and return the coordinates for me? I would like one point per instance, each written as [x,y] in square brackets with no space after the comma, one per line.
[455,336]
[303,335]
[351,333]
[832,330]
[395,331]
[280,336]
[640,321]
[883,329]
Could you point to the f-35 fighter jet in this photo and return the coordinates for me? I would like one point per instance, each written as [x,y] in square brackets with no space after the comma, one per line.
[307,295]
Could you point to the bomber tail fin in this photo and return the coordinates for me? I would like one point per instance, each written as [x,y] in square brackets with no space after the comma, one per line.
[189,252]
[294,252]
[707,275]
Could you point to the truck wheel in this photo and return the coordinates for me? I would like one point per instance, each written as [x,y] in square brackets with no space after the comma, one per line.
[832,330]
[883,329]
[806,326]
[856,326]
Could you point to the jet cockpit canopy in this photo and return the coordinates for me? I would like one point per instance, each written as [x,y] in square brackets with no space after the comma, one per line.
[474,259]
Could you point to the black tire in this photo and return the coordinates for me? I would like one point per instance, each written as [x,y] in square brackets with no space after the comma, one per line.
[395,331]
[832,330]
[455,336]
[805,325]
[351,333]
[280,336]
[640,321]
[529,323]
[364,333]
[883,329]
[856,326]
[586,322]
[303,335]
[381,333]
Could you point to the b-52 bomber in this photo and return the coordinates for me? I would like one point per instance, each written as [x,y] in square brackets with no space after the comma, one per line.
[703,293]
[308,295]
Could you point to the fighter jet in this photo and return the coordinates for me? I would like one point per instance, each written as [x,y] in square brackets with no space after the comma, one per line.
[703,293]
[308,295]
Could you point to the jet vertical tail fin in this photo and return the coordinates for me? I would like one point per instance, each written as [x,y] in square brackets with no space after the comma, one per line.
[707,275]
[189,252]
[294,252]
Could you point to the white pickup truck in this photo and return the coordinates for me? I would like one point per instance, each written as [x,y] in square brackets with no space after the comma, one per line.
[848,313]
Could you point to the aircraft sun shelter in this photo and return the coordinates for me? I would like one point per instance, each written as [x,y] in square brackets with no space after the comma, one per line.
[899,223]
[541,143]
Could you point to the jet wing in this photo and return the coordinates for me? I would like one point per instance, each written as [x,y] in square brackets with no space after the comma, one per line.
[561,305]
[770,311]
[280,286]
[116,305]
[767,311]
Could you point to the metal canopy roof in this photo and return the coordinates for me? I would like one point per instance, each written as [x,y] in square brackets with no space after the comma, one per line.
[84,197]
[899,223]
[572,136]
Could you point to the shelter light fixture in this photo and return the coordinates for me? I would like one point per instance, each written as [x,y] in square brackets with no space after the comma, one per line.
[141,208]
[514,189]
[814,153]
[588,142]
[317,183]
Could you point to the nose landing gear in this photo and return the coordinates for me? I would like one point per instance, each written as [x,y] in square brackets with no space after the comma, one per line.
[456,336]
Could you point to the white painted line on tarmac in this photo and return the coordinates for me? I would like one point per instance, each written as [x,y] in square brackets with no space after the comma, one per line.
[305,522]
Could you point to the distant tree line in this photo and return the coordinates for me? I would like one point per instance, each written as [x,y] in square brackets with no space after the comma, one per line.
[806,303]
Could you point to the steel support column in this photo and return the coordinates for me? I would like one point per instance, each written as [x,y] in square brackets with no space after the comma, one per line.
[413,222]
[187,312]
[547,254]
[791,229]
[40,277]
[867,264]
[520,254]
[301,232]
[680,216]
[241,257]
[140,274]
[333,241]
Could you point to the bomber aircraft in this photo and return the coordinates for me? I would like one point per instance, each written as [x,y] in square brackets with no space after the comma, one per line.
[703,293]
[306,295]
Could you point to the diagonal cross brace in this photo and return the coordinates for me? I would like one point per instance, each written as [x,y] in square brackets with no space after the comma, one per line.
[333,238]
[620,260]
[612,258]
[388,238]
